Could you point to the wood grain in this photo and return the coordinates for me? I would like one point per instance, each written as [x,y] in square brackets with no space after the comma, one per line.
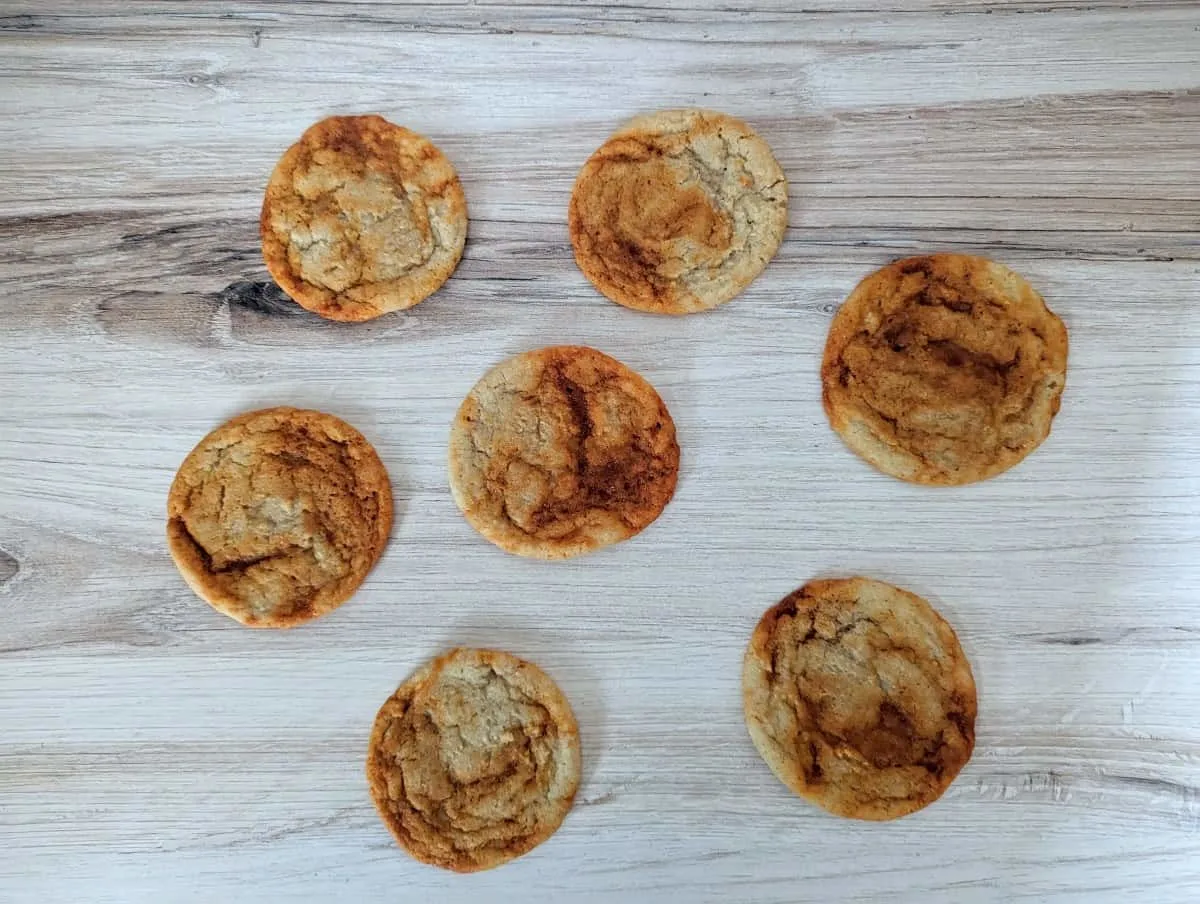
[151,750]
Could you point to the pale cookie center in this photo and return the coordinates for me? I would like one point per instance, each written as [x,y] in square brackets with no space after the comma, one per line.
[262,532]
[950,379]
[356,230]
[864,695]
[477,759]
[675,225]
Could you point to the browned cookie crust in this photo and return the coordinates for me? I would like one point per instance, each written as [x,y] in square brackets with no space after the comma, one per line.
[858,696]
[678,212]
[474,760]
[560,451]
[276,517]
[944,369]
[362,217]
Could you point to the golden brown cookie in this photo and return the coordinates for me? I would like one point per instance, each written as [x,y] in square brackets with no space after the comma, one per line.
[362,217]
[560,451]
[944,369]
[276,516]
[474,760]
[678,211]
[859,698]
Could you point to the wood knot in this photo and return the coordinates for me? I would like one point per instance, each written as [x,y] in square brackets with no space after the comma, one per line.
[203,80]
[9,567]
[263,297]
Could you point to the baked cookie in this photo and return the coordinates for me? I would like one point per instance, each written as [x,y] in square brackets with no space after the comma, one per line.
[276,516]
[474,760]
[560,451]
[944,369]
[678,212]
[859,698]
[362,217]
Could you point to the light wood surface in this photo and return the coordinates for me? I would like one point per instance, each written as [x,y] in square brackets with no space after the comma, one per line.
[152,750]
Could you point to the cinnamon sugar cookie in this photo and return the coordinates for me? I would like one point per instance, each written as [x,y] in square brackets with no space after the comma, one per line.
[560,451]
[474,760]
[678,211]
[859,697]
[944,369]
[362,217]
[276,516]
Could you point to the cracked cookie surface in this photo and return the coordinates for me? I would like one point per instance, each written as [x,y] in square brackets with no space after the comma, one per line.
[362,217]
[560,451]
[276,516]
[474,760]
[945,369]
[859,697]
[678,211]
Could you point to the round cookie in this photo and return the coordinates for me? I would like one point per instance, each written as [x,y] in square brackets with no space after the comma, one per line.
[362,217]
[560,451]
[858,696]
[678,211]
[944,369]
[276,516]
[474,760]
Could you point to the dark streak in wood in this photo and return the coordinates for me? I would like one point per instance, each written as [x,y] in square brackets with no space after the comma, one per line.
[1070,640]
[1173,633]
[636,20]
[19,23]
[259,308]
[1187,792]
[135,316]
[150,620]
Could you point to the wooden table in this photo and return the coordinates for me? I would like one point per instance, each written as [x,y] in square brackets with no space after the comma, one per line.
[151,750]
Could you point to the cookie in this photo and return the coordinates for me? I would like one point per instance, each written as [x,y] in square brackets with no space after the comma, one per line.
[474,760]
[678,212]
[944,369]
[362,217]
[276,516]
[560,451]
[859,698]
